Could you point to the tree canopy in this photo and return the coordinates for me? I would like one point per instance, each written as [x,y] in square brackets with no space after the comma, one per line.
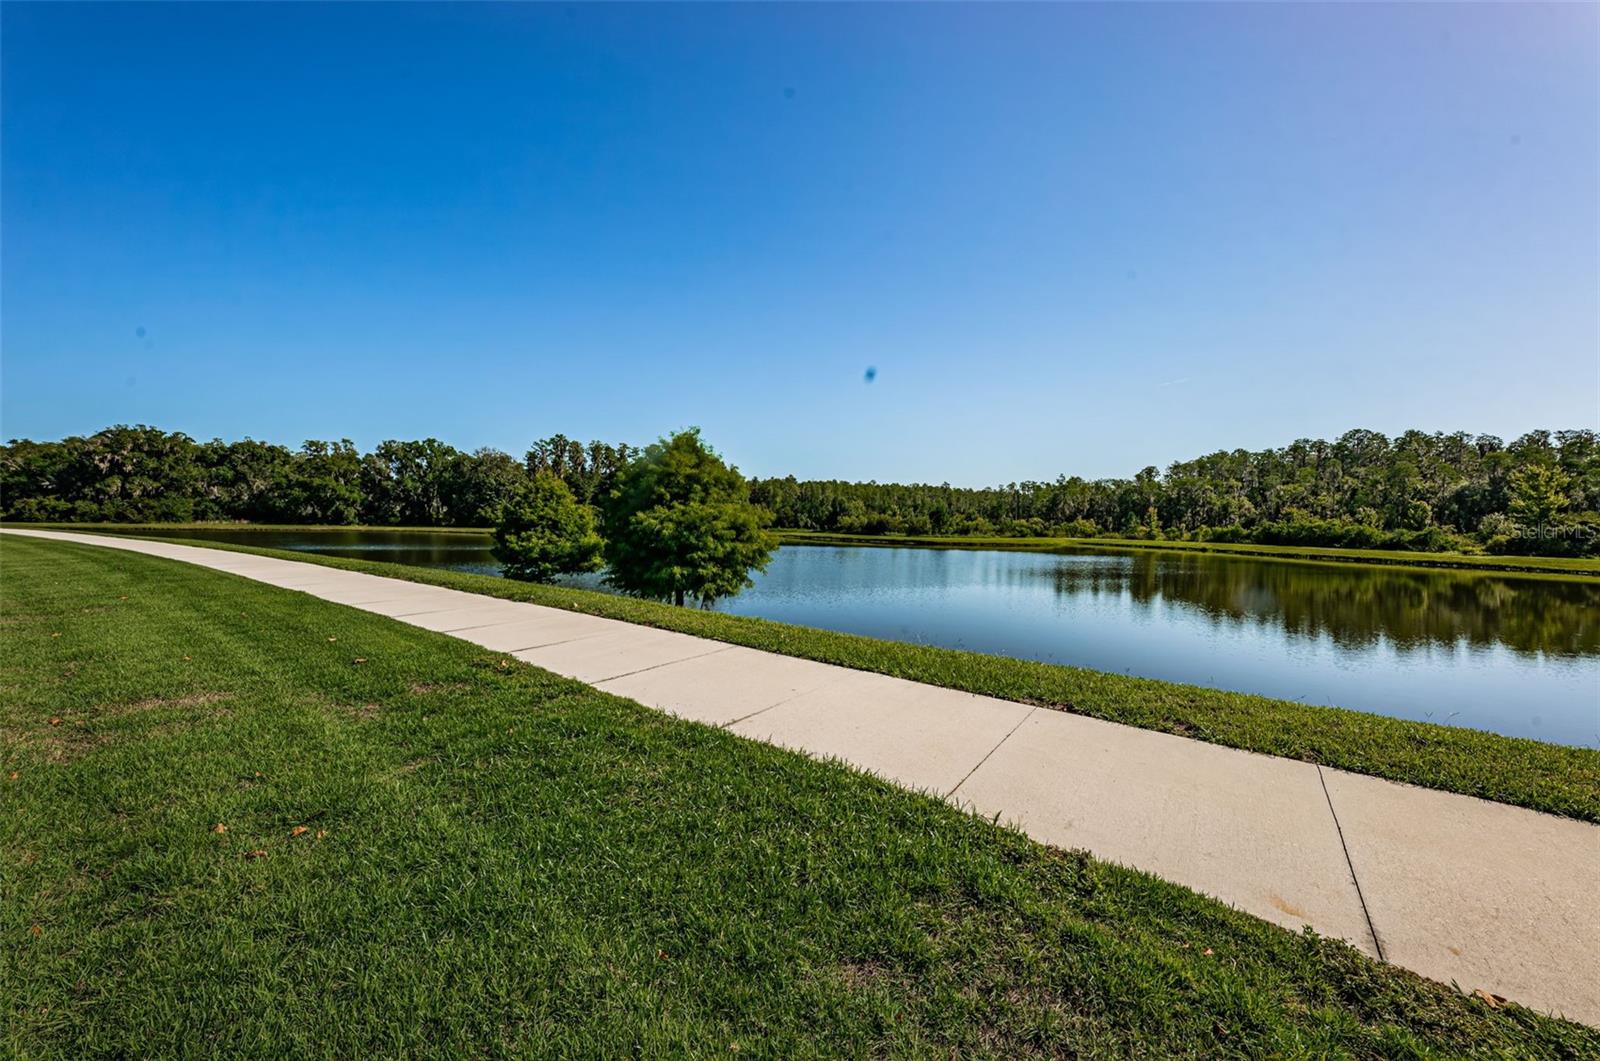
[1417,491]
[542,531]
[679,525]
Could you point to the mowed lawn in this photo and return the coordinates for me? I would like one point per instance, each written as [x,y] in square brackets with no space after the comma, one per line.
[236,819]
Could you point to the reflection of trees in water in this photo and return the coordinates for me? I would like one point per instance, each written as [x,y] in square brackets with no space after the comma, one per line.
[1352,605]
[416,548]
[1355,606]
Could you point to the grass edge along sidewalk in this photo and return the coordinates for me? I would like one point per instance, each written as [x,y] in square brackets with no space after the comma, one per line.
[1553,778]
[240,817]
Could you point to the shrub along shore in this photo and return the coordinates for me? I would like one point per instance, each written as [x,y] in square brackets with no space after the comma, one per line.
[1547,777]
[241,820]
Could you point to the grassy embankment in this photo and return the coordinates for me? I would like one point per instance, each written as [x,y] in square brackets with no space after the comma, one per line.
[1546,565]
[237,819]
[1548,777]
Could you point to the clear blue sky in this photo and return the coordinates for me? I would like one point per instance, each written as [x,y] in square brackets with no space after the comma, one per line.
[1069,238]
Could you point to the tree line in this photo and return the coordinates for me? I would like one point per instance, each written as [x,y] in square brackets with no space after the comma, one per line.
[143,474]
[1537,494]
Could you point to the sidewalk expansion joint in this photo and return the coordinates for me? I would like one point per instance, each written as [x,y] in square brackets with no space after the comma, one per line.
[430,611]
[786,700]
[1348,861]
[485,626]
[996,748]
[658,666]
[542,644]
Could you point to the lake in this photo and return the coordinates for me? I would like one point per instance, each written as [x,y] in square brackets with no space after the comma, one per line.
[1515,655]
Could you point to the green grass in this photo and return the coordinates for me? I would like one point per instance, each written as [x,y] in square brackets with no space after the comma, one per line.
[1540,565]
[1549,777]
[497,861]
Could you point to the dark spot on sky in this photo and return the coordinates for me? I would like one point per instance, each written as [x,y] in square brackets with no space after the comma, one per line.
[788,92]
[871,373]
[132,380]
[139,331]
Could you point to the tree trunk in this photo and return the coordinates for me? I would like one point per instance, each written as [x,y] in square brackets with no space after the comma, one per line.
[677,597]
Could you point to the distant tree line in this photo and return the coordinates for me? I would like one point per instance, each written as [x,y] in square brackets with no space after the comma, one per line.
[142,474]
[1538,494]
[1419,491]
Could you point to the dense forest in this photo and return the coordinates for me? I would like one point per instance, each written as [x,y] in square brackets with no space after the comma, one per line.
[1537,494]
[1421,491]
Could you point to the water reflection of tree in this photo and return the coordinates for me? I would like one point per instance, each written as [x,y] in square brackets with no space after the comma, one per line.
[1356,606]
[442,549]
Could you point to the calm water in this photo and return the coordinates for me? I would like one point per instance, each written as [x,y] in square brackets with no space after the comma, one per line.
[1515,655]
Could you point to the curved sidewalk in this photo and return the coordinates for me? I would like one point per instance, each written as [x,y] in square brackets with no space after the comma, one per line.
[1462,890]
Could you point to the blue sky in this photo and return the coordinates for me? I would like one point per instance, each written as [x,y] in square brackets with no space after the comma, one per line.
[1072,239]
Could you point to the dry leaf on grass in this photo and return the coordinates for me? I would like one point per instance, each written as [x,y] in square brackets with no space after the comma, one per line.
[55,720]
[258,853]
[299,830]
[1492,1000]
[219,828]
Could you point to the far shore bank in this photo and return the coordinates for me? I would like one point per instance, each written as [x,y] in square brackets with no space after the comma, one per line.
[1535,565]
[1549,566]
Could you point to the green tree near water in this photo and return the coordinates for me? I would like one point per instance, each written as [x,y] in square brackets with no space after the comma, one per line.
[322,485]
[679,525]
[542,531]
[1538,492]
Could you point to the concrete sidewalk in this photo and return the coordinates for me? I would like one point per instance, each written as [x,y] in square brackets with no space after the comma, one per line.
[1458,889]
